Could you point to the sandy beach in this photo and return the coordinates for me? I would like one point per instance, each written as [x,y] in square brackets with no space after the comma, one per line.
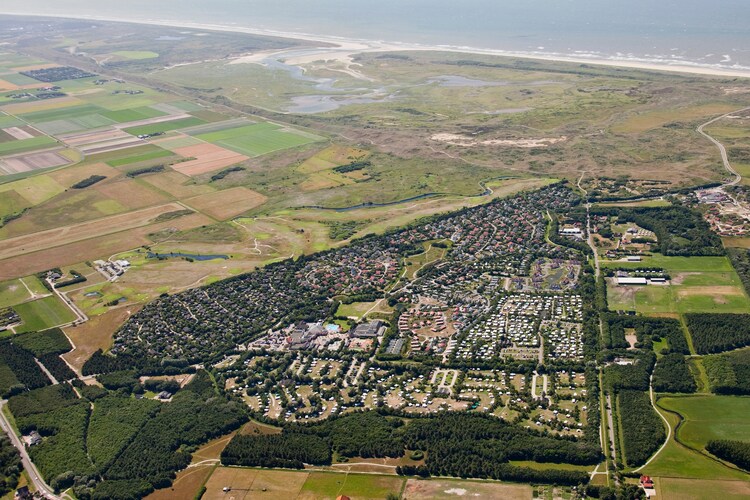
[342,49]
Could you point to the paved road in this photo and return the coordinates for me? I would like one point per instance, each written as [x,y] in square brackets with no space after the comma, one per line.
[34,475]
[722,149]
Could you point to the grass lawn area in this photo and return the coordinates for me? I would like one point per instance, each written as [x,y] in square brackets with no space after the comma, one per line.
[12,292]
[165,126]
[355,309]
[258,139]
[42,314]
[678,461]
[697,489]
[136,54]
[698,284]
[710,417]
[331,485]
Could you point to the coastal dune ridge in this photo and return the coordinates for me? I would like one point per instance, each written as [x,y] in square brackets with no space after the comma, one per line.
[338,48]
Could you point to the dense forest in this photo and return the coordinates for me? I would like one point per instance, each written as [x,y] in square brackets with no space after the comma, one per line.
[679,230]
[647,330]
[737,452]
[456,444]
[729,373]
[642,429]
[672,374]
[713,333]
[740,258]
[10,466]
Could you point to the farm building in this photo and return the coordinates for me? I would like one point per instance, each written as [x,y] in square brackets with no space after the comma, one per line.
[627,280]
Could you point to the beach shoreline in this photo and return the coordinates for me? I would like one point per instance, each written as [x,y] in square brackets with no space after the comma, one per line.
[343,49]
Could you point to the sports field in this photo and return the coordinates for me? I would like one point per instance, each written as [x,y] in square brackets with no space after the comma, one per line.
[259,139]
[43,313]
[697,284]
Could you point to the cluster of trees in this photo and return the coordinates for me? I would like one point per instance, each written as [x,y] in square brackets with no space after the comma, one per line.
[729,373]
[737,452]
[52,341]
[146,170]
[88,181]
[75,279]
[672,374]
[353,166]
[456,444]
[642,429]
[679,230]
[220,175]
[633,376]
[289,449]
[113,424]
[10,465]
[740,258]
[19,371]
[647,330]
[714,333]
[160,448]
[57,367]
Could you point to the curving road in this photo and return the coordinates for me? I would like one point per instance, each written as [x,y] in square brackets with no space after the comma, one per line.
[31,469]
[722,149]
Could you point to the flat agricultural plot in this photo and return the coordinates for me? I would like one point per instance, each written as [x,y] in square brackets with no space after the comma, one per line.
[208,158]
[699,489]
[330,157]
[12,202]
[69,176]
[136,54]
[710,417]
[254,484]
[325,485]
[157,125]
[43,313]
[138,158]
[22,146]
[51,238]
[259,139]
[30,162]
[35,190]
[95,247]
[22,108]
[448,488]
[95,334]
[130,193]
[223,205]
[181,141]
[185,485]
[177,184]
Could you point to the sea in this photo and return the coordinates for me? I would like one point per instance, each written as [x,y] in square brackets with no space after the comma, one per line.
[707,33]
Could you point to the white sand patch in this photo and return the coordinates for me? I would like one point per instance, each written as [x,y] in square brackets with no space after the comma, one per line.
[466,141]
[456,491]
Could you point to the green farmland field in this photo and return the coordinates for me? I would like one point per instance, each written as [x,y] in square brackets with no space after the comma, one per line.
[131,115]
[24,145]
[42,314]
[258,139]
[139,158]
[710,417]
[165,126]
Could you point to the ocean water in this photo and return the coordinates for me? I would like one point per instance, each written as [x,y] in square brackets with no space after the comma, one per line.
[713,33]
